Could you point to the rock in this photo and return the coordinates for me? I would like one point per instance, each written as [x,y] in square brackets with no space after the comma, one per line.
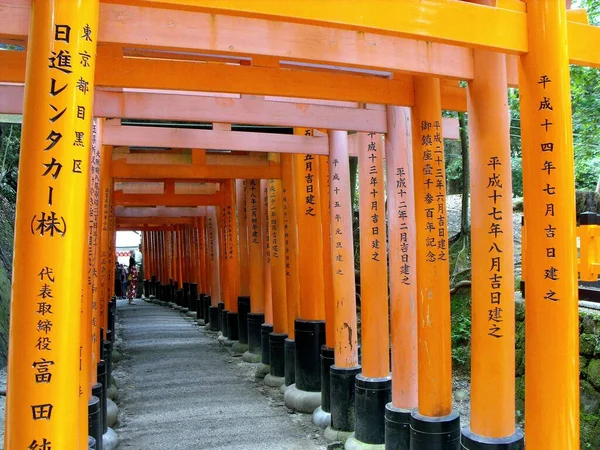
[583,362]
[593,373]
[110,440]
[518,204]
[112,412]
[460,395]
[116,356]
[592,440]
[587,344]
[590,398]
[520,397]
[112,392]
[588,324]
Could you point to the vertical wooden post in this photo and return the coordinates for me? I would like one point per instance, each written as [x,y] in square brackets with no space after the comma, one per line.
[277,247]
[345,369]
[292,277]
[373,384]
[158,269]
[168,255]
[194,254]
[201,249]
[176,255]
[256,317]
[552,319]
[161,256]
[51,228]
[112,253]
[232,261]
[204,238]
[93,248]
[145,261]
[492,259]
[185,239]
[403,281]
[87,367]
[173,245]
[184,253]
[342,248]
[213,251]
[433,277]
[233,255]
[278,283]
[223,254]
[322,415]
[151,255]
[152,258]
[240,193]
[147,254]
[267,326]
[324,196]
[103,257]
[180,256]
[373,262]
[158,255]
[264,188]
[308,213]
[256,265]
[309,330]
[291,242]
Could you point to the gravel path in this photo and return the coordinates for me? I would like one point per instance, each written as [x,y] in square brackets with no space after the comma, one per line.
[180,390]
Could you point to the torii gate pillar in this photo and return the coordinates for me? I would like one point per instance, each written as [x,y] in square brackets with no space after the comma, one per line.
[552,318]
[434,425]
[51,229]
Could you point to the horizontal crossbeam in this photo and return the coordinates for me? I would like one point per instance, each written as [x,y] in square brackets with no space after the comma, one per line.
[196,108]
[133,73]
[142,136]
[145,27]
[444,21]
[395,36]
[122,199]
[159,214]
[122,171]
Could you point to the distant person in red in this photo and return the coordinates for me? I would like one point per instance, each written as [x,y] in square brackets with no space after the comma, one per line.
[132,278]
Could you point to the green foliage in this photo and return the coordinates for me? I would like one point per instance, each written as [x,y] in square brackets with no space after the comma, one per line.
[585,95]
[461,329]
[10,141]
[516,165]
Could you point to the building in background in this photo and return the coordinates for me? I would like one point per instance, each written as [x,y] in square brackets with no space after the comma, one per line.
[127,241]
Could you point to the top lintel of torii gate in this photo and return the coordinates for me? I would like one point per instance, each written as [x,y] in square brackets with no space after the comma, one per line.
[502,27]
[400,36]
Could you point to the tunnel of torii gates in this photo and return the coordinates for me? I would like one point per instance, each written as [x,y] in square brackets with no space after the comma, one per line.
[252,229]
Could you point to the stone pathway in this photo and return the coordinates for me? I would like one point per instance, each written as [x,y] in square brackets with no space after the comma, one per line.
[180,390]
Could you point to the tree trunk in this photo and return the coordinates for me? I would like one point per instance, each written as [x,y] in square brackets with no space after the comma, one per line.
[464,149]
[353,179]
[598,185]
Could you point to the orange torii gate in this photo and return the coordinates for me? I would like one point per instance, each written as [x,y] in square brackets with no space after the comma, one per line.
[386,55]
